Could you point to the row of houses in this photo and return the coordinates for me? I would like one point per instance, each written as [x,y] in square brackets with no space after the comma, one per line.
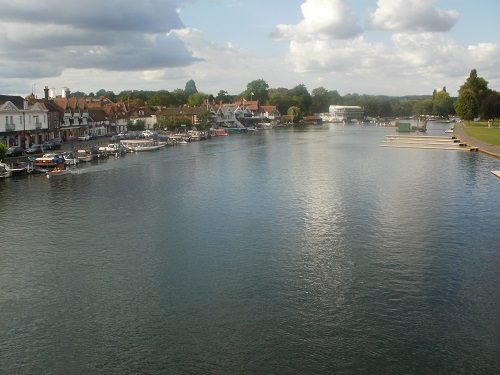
[28,121]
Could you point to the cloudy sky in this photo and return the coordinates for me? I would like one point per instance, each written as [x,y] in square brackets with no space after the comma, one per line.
[389,47]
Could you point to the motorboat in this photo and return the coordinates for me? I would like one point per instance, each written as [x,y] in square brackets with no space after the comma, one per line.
[57,172]
[138,145]
[83,156]
[47,162]
[70,158]
[20,168]
[97,153]
[114,149]
[4,171]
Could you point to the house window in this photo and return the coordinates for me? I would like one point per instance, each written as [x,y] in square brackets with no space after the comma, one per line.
[6,120]
[35,118]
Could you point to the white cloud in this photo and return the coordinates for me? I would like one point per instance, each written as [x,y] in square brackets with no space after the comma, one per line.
[323,19]
[412,16]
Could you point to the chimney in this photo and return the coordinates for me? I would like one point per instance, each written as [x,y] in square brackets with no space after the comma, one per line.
[46,91]
[68,93]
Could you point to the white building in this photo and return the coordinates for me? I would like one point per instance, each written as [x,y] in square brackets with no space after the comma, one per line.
[345,113]
[22,123]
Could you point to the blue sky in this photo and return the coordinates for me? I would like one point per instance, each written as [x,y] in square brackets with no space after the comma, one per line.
[389,47]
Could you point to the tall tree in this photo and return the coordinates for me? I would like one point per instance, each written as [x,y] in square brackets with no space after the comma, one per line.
[223,97]
[422,107]
[257,90]
[190,88]
[477,84]
[467,105]
[490,109]
[320,100]
[301,98]
[281,98]
[296,113]
[442,104]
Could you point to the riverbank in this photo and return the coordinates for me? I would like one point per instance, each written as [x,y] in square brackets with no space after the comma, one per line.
[460,133]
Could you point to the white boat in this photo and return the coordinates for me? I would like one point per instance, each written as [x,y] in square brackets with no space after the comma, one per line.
[4,170]
[83,156]
[139,145]
[56,172]
[114,149]
[70,158]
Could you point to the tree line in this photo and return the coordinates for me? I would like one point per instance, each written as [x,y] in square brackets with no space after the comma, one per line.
[474,100]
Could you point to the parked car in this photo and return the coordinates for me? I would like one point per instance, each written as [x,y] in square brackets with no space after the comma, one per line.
[35,149]
[52,145]
[57,143]
[84,137]
[92,136]
[114,139]
[15,151]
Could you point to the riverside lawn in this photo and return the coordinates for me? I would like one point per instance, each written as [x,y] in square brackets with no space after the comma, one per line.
[481,131]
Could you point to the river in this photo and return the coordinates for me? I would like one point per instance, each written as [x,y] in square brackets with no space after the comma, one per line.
[295,250]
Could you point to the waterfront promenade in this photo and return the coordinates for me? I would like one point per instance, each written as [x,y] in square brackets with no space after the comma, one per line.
[460,133]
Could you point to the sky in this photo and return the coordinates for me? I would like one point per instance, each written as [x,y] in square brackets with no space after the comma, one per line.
[375,47]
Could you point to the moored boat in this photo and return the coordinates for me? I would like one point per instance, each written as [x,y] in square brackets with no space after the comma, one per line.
[70,158]
[4,171]
[114,149]
[47,162]
[138,145]
[20,168]
[83,156]
[219,132]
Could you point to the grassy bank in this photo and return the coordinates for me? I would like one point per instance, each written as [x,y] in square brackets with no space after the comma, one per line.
[481,131]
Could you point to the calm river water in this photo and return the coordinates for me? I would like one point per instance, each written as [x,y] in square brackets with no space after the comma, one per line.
[299,250]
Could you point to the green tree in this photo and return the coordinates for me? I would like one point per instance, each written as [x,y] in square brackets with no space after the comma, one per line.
[442,104]
[257,90]
[422,107]
[197,99]
[351,99]
[223,97]
[280,98]
[179,98]
[190,88]
[78,94]
[467,105]
[321,100]
[106,94]
[161,99]
[3,151]
[296,113]
[477,84]
[301,98]
[136,126]
[205,120]
[490,109]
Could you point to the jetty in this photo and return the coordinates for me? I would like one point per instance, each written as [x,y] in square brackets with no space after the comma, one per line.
[426,142]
